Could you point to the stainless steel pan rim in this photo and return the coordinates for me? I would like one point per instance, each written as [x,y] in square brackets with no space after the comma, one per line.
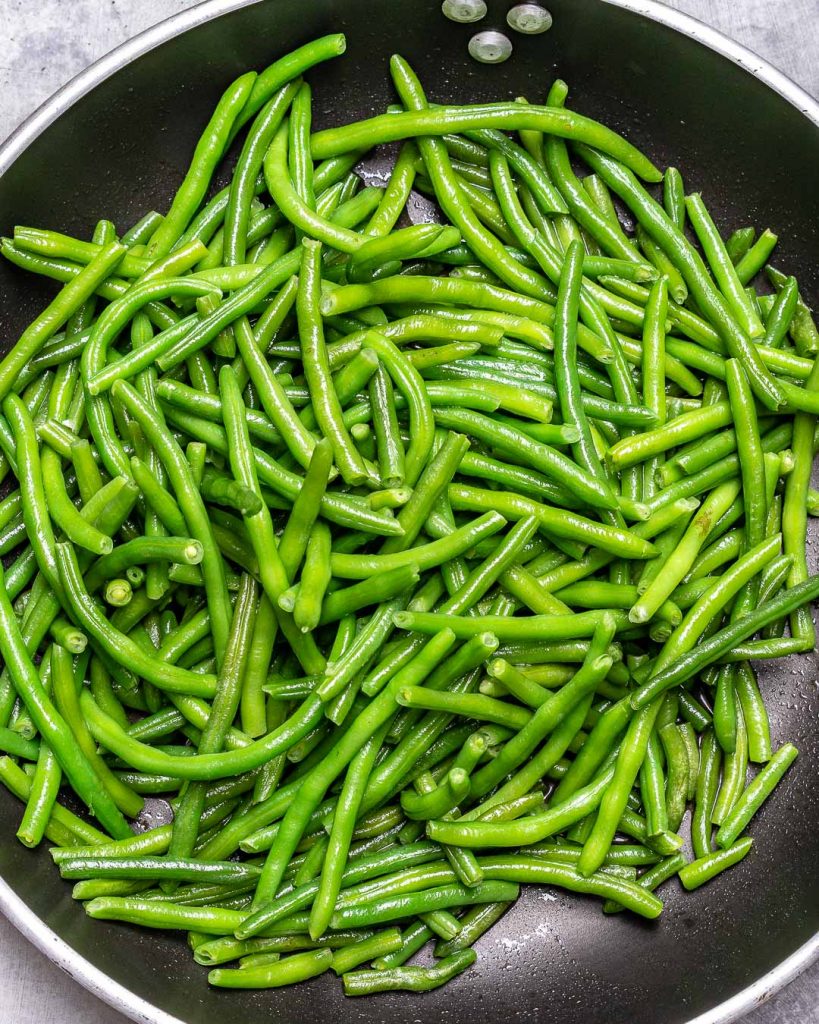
[46,940]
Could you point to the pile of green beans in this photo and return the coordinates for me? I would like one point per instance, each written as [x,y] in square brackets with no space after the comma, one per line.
[407,563]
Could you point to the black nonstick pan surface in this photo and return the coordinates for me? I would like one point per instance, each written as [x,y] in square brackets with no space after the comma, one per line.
[116,143]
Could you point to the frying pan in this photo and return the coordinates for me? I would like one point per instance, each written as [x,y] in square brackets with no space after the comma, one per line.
[115,142]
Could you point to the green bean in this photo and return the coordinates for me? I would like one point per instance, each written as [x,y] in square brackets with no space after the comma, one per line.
[706,793]
[409,382]
[652,878]
[690,264]
[597,594]
[62,827]
[412,939]
[377,713]
[677,764]
[32,490]
[682,558]
[441,120]
[389,497]
[314,579]
[62,509]
[534,869]
[45,786]
[689,737]
[64,305]
[716,597]
[757,256]
[358,869]
[285,69]
[722,268]
[566,380]
[533,627]
[273,396]
[749,448]
[782,314]
[143,549]
[297,529]
[755,795]
[51,725]
[287,971]
[208,152]
[116,644]
[380,944]
[341,836]
[409,979]
[64,691]
[725,639]
[451,193]
[158,498]
[702,870]
[652,788]
[531,829]
[596,749]
[629,760]
[324,398]
[190,504]
[13,743]
[222,712]
[652,360]
[396,193]
[181,869]
[735,766]
[393,908]
[517,445]
[544,195]
[378,588]
[802,328]
[432,483]
[584,210]
[794,509]
[361,651]
[385,424]
[247,169]
[657,258]
[420,241]
[674,196]
[739,243]
[680,430]
[473,706]
[297,209]
[272,572]
[457,671]
[753,713]
[424,556]
[548,715]
[141,231]
[465,672]
[517,683]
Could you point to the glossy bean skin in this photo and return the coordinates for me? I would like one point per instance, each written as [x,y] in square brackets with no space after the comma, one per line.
[409,979]
[208,151]
[756,793]
[703,869]
[287,971]
[453,119]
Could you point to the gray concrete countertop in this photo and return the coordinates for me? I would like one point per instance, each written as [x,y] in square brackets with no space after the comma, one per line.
[49,41]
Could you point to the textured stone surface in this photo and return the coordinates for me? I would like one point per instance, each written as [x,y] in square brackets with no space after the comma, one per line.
[49,41]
